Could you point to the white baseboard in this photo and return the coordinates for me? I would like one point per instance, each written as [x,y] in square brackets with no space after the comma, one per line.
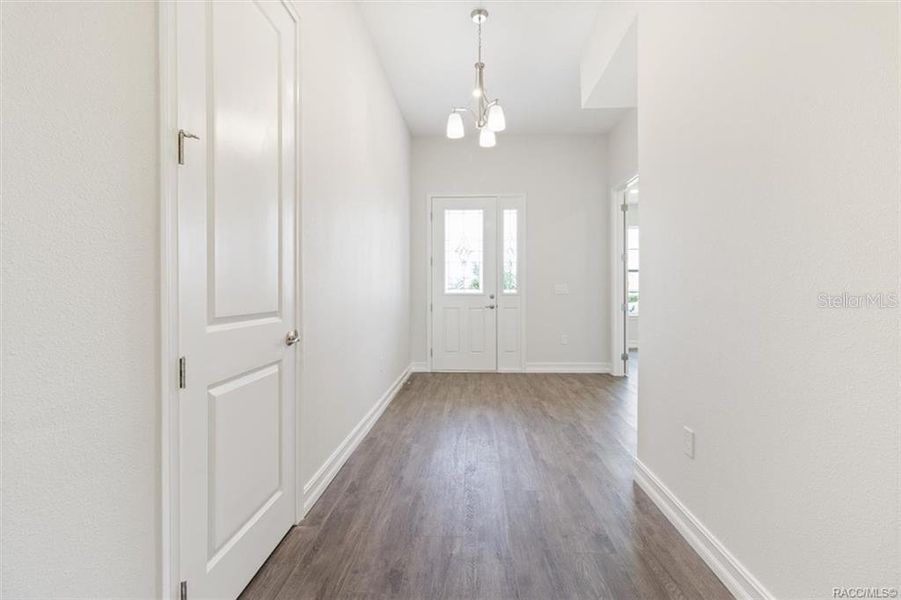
[568,367]
[537,367]
[731,572]
[324,475]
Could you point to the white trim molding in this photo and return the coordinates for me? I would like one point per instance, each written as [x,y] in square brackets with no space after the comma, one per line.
[168,324]
[731,572]
[324,475]
[568,367]
[420,367]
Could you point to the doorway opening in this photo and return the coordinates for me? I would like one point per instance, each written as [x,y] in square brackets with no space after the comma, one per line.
[477,283]
[625,281]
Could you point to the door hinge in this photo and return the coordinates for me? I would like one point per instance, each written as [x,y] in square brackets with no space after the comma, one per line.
[430,352]
[183,591]
[431,261]
[430,307]
[625,257]
[182,376]
[624,207]
[624,307]
[182,136]
[624,356]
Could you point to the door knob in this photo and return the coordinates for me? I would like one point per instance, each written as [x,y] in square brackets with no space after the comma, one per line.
[292,338]
[491,306]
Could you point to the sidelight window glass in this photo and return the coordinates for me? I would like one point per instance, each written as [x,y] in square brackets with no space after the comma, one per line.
[632,266]
[510,258]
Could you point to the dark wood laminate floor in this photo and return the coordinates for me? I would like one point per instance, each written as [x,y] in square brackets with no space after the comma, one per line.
[491,486]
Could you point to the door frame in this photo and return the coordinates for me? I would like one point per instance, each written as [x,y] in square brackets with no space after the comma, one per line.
[521,273]
[169,531]
[617,316]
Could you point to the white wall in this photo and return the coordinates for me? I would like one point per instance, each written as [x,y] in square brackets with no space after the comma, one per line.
[769,174]
[566,190]
[622,149]
[80,223]
[356,236]
[80,321]
[607,71]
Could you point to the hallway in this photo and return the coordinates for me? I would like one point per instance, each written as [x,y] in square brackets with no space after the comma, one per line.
[337,299]
[491,486]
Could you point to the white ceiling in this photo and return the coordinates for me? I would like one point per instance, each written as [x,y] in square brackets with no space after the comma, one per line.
[531,52]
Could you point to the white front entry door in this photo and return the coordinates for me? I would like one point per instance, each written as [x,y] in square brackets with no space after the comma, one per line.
[237,86]
[476,283]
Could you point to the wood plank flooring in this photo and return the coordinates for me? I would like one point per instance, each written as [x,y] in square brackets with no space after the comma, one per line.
[491,486]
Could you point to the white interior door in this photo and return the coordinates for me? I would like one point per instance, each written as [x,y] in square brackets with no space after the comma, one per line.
[237,297]
[464,296]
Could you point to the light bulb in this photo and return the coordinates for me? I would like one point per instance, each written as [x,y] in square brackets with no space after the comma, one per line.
[477,92]
[487,138]
[496,120]
[455,126]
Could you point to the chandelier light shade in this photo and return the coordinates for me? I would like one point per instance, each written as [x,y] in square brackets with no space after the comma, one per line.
[455,128]
[486,113]
[496,120]
[487,138]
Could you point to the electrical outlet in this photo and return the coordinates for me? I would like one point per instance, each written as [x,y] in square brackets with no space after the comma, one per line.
[561,289]
[688,442]
[564,340]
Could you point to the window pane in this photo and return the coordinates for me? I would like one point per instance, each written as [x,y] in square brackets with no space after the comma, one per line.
[633,281]
[633,260]
[632,238]
[510,258]
[463,251]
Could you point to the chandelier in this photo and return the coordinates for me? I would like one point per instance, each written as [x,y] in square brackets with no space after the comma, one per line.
[486,113]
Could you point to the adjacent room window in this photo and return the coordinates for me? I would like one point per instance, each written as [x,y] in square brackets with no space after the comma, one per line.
[510,246]
[463,230]
[632,266]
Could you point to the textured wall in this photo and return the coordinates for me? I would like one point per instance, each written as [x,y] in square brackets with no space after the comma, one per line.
[769,174]
[564,179]
[79,325]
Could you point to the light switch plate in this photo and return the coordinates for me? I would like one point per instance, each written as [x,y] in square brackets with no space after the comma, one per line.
[561,289]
